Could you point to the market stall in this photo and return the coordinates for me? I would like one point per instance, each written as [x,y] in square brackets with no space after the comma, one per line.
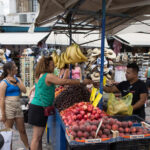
[77,14]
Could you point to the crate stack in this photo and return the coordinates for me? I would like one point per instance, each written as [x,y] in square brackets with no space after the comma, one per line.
[27,72]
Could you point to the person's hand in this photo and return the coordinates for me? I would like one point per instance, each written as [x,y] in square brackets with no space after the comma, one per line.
[3,119]
[87,81]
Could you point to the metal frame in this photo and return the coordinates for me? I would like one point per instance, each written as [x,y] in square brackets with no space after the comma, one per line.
[67,23]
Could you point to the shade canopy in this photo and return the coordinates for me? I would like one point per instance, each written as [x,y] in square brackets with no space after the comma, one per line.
[92,40]
[134,39]
[119,13]
[21,38]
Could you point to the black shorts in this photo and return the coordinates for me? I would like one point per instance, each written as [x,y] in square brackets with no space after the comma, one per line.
[36,116]
[148,83]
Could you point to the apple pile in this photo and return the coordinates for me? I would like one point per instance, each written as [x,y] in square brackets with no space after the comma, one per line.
[83,111]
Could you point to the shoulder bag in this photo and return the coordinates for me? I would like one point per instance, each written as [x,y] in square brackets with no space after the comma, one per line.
[49,110]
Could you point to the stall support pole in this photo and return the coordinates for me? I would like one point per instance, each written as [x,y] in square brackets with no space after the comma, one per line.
[102,49]
[70,35]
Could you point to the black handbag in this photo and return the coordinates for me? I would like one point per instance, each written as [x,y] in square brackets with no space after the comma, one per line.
[25,113]
[1,141]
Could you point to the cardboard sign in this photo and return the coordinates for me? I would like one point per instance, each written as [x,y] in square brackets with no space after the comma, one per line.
[97,99]
[93,93]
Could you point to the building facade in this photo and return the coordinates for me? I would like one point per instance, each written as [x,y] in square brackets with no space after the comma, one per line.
[22,11]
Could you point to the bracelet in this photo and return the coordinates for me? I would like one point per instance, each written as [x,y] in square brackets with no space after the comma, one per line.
[81,81]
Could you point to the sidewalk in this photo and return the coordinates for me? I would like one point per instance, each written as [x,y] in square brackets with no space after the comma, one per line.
[17,143]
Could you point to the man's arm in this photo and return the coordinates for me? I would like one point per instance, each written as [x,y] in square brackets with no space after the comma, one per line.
[141,102]
[111,89]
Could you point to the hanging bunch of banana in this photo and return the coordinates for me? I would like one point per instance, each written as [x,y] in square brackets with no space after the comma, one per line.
[72,55]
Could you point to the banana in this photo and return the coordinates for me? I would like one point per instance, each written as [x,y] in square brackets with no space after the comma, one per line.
[73,54]
[81,54]
[66,59]
[54,56]
[62,57]
[58,63]
[68,52]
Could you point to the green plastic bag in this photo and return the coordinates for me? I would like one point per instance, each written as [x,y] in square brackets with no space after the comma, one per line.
[120,106]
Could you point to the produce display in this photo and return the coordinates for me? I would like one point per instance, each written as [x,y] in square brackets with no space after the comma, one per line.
[58,90]
[82,130]
[71,95]
[84,121]
[72,55]
[81,112]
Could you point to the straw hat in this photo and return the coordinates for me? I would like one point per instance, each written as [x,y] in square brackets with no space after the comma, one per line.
[92,59]
[106,70]
[95,76]
[1,52]
[89,51]
[96,52]
[110,54]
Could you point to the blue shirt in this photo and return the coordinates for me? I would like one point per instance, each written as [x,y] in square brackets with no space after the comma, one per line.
[11,90]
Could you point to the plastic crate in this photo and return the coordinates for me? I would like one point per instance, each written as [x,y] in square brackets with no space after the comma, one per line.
[98,146]
[127,118]
[142,144]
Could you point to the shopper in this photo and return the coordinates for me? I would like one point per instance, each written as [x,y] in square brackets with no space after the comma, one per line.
[44,96]
[64,72]
[76,71]
[147,75]
[135,86]
[10,106]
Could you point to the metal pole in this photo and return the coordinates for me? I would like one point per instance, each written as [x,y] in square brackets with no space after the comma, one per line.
[102,49]
[70,35]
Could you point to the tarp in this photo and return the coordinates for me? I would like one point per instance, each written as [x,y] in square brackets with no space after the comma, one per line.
[134,39]
[21,38]
[119,13]
[63,39]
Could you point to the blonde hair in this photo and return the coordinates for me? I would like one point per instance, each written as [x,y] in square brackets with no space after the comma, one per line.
[43,66]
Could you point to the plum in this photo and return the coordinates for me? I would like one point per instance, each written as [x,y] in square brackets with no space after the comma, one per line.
[121,130]
[127,130]
[79,133]
[114,127]
[130,123]
[88,128]
[86,134]
[75,128]
[104,136]
[82,127]
[106,131]
[93,133]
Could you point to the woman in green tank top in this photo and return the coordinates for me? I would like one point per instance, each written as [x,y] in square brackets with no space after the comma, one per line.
[44,96]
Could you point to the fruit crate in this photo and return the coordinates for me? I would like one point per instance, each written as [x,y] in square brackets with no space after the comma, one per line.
[140,144]
[71,141]
[137,122]
[97,146]
[134,118]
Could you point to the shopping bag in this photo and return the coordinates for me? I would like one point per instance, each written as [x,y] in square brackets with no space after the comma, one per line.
[120,106]
[7,136]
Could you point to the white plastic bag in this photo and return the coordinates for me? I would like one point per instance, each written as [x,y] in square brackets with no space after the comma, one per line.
[7,135]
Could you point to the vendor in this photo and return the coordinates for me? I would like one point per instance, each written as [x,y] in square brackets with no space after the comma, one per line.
[132,85]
